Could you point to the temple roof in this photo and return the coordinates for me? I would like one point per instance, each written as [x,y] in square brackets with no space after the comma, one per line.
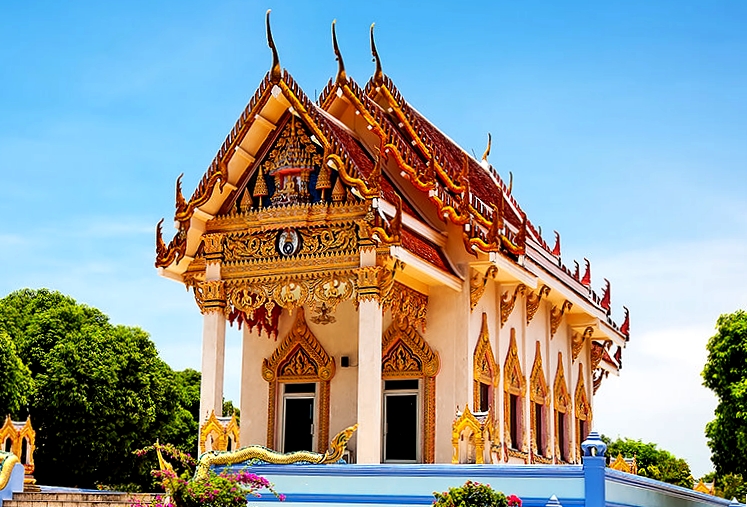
[383,151]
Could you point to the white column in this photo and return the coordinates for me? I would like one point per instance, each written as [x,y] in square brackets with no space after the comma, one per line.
[213,362]
[213,343]
[369,382]
[369,364]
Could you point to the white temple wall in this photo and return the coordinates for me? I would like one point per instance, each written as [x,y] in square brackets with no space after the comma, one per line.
[448,318]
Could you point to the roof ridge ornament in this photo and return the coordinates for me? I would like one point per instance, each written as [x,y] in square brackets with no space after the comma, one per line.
[378,77]
[487,150]
[342,76]
[275,71]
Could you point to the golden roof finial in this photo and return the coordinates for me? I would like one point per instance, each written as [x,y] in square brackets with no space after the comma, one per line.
[275,72]
[487,150]
[378,77]
[341,75]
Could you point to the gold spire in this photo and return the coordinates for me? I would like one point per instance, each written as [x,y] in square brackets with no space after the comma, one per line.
[341,75]
[260,186]
[487,150]
[338,192]
[378,77]
[275,72]
[322,180]
[246,201]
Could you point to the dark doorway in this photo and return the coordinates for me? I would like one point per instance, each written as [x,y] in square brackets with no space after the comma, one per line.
[298,430]
[401,427]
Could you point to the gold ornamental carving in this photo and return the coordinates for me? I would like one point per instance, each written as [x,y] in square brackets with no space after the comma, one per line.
[289,292]
[407,305]
[539,395]
[562,406]
[534,300]
[312,241]
[376,282]
[556,316]
[405,354]
[221,435]
[508,302]
[578,340]
[582,407]
[212,247]
[484,368]
[513,383]
[211,295]
[299,357]
[467,424]
[478,283]
[597,353]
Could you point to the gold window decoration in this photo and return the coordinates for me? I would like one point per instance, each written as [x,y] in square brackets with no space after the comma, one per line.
[583,409]
[484,368]
[539,398]
[514,384]
[467,421]
[406,355]
[562,405]
[299,357]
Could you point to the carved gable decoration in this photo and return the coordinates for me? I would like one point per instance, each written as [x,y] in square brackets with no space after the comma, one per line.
[560,388]
[485,369]
[292,172]
[299,356]
[406,354]
[583,409]
[537,384]
[513,378]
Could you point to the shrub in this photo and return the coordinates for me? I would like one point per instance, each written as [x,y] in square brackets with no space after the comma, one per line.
[226,488]
[474,494]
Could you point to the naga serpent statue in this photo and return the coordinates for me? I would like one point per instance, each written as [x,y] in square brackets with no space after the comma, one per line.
[261,453]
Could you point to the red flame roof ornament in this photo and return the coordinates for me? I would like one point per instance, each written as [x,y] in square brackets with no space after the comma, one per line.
[556,248]
[586,280]
[605,302]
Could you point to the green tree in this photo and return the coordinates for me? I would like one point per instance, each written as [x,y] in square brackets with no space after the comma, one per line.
[652,462]
[725,373]
[99,391]
[15,387]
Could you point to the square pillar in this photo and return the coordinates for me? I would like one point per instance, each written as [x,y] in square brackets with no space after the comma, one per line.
[213,349]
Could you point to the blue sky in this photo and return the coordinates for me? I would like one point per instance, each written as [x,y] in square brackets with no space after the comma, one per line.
[623,123]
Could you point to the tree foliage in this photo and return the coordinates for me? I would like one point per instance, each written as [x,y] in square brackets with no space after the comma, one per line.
[652,462]
[725,373]
[97,391]
[16,380]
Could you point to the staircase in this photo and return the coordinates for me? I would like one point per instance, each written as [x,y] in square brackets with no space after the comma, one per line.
[77,499]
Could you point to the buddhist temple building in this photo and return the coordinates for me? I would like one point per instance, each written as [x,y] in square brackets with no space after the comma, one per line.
[382,275]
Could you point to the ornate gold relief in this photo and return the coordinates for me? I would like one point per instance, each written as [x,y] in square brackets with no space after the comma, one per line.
[513,383]
[219,434]
[583,408]
[376,282]
[212,247]
[556,316]
[299,357]
[533,301]
[405,354]
[407,305]
[562,405]
[538,394]
[597,353]
[467,421]
[210,296]
[478,283]
[508,302]
[484,368]
[20,435]
[578,340]
[329,289]
[313,241]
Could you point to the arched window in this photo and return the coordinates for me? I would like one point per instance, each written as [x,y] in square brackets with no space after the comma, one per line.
[562,409]
[514,387]
[583,409]
[485,371]
[538,395]
[298,373]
